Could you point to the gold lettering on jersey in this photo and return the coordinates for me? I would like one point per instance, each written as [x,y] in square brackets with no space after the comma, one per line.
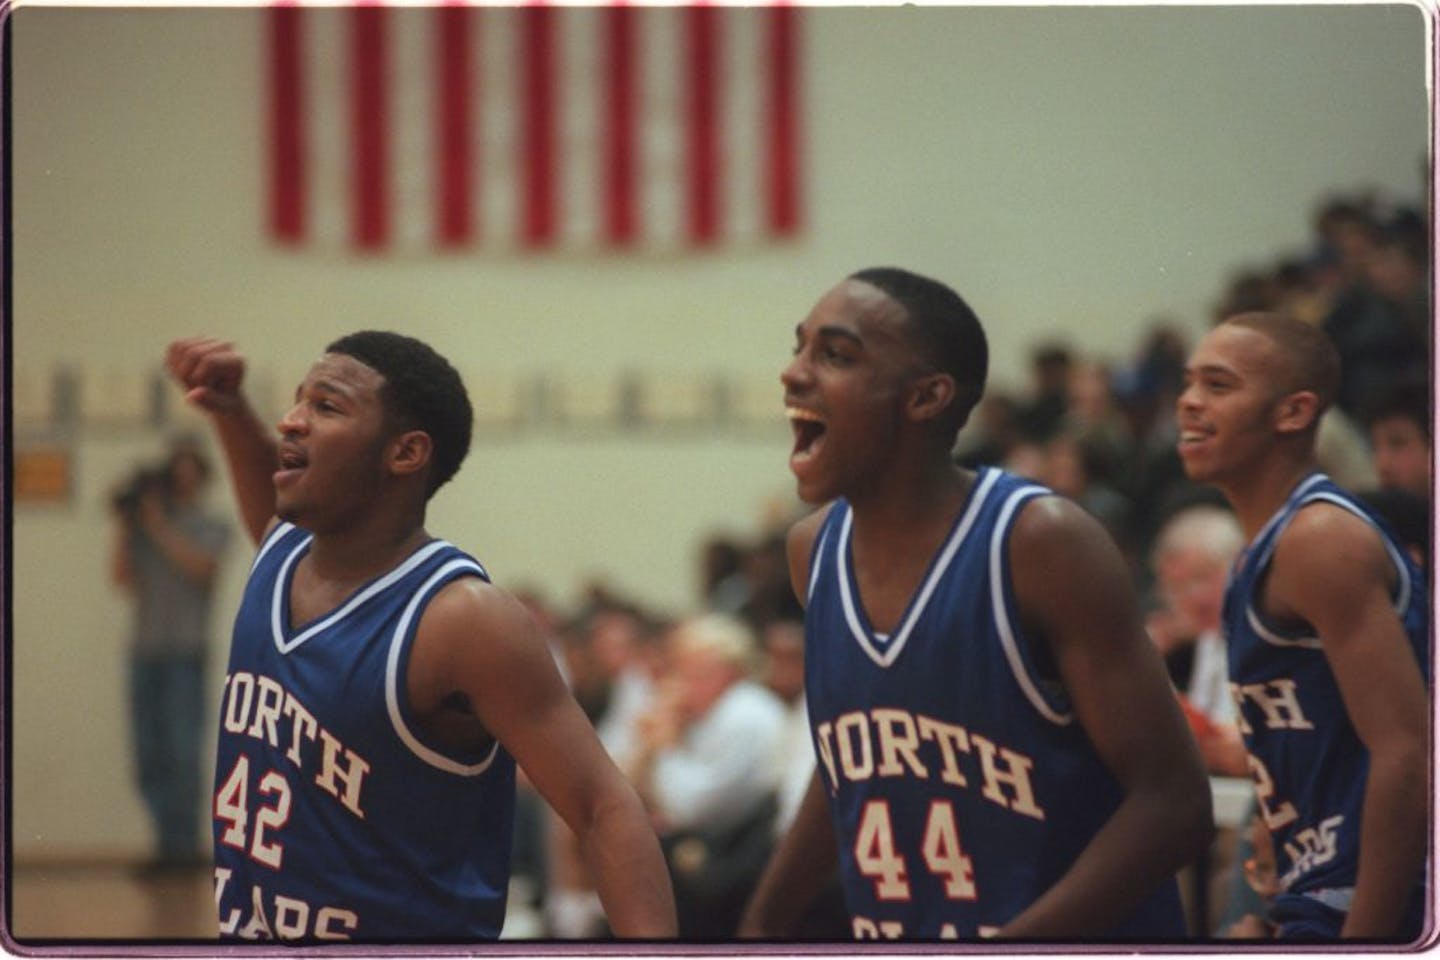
[864,928]
[351,771]
[276,916]
[899,739]
[1015,774]
[1278,701]
[259,707]
[857,757]
[949,738]
[887,742]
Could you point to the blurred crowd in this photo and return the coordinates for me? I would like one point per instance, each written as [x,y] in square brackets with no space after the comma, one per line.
[705,711]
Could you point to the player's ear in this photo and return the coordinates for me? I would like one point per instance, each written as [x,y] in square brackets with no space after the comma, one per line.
[1297,412]
[409,452]
[930,396]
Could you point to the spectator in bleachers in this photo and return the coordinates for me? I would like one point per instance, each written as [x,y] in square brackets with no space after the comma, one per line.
[1093,417]
[706,768]
[607,649]
[1069,467]
[1398,422]
[993,432]
[1377,342]
[167,551]
[1192,558]
[723,585]
[1042,410]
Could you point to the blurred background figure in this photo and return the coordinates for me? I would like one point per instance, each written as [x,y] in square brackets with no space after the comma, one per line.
[706,766]
[167,552]
[783,673]
[1192,558]
[613,671]
[1398,424]
[1043,408]
[1400,430]
[993,430]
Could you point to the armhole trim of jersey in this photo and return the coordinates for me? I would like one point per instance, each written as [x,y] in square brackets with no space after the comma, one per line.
[816,553]
[402,633]
[1401,600]
[1008,641]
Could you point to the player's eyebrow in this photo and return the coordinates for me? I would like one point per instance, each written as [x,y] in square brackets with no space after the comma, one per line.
[830,331]
[322,385]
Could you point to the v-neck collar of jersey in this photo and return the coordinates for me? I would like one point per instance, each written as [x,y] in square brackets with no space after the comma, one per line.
[287,639]
[882,649]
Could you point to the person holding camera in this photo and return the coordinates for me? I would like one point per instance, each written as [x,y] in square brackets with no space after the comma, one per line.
[166,556]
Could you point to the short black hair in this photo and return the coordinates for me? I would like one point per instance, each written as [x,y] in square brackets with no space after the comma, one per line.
[1408,397]
[1314,359]
[422,391]
[948,331]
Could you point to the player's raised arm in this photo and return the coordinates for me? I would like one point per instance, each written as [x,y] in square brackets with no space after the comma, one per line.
[211,373]
[478,641]
[1073,590]
[1331,571]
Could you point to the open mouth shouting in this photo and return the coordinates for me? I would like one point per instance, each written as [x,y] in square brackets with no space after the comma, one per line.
[809,429]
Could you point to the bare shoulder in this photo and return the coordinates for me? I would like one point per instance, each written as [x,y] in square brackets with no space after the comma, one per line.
[1324,553]
[469,608]
[799,543]
[1321,528]
[1052,528]
[801,536]
[1066,570]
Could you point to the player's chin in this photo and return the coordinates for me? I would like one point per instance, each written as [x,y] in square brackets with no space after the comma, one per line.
[1195,466]
[288,509]
[812,487]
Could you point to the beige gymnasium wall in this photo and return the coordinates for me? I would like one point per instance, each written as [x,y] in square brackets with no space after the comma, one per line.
[1071,170]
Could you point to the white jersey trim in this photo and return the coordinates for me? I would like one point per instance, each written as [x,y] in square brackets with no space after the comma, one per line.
[1003,625]
[392,677]
[276,533]
[918,603]
[277,603]
[1302,499]
[815,570]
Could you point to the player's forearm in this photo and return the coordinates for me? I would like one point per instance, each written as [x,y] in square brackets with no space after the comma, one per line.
[1392,853]
[250,454]
[1147,840]
[631,878]
[803,860]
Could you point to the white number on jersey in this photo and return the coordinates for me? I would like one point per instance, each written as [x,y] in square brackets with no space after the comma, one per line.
[875,853]
[878,859]
[233,809]
[1275,814]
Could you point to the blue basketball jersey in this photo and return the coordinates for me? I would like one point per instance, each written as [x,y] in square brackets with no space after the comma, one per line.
[1308,763]
[335,818]
[961,785]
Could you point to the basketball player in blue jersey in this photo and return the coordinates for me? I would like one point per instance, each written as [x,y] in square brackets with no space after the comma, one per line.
[1327,625]
[380,688]
[1000,751]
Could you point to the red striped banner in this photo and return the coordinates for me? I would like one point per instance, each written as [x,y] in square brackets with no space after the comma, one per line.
[533,128]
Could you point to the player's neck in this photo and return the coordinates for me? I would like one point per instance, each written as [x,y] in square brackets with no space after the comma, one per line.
[358,552]
[1256,496]
[907,509]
